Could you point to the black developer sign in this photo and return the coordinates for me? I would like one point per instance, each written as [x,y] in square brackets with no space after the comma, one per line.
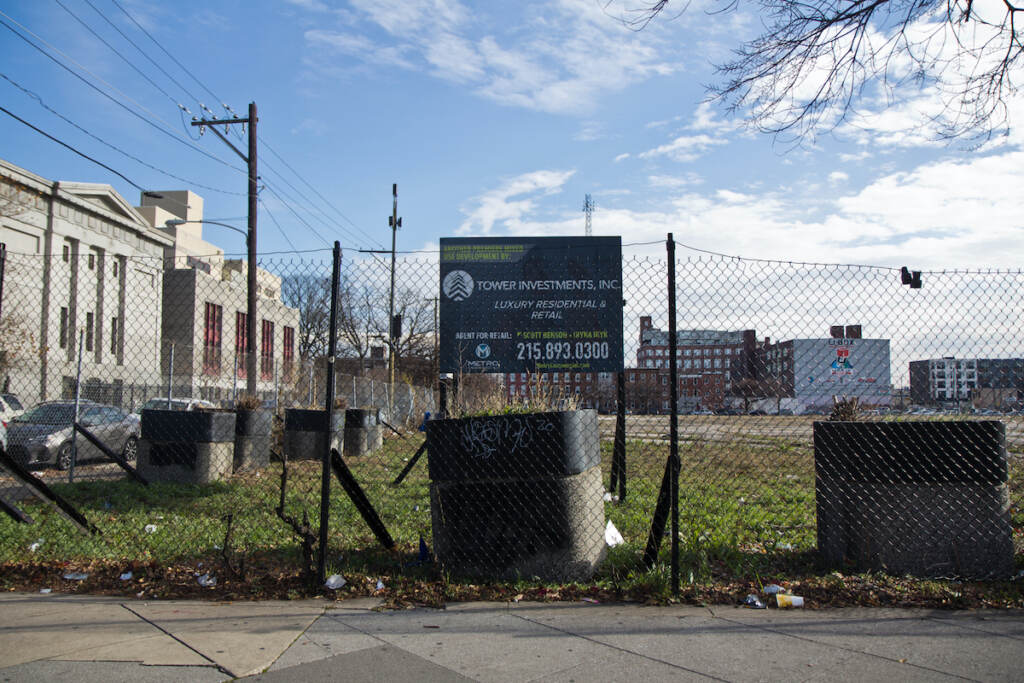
[531,304]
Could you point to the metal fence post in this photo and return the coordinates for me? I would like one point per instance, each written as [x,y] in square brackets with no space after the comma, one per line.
[78,398]
[3,266]
[170,376]
[325,479]
[674,405]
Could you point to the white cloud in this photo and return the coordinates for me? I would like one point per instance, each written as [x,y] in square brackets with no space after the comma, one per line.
[311,5]
[848,157]
[622,157]
[509,203]
[944,214]
[674,181]
[837,177]
[358,46]
[591,130]
[684,148]
[563,60]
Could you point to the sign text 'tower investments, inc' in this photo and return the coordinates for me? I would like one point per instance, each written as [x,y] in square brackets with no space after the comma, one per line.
[531,304]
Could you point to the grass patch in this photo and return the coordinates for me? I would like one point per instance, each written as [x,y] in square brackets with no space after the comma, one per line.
[747,518]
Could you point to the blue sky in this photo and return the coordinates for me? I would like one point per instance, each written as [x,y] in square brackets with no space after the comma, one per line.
[494,119]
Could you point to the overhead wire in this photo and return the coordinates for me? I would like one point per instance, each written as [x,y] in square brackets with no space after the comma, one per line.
[186,142]
[113,49]
[309,203]
[110,144]
[297,216]
[239,134]
[181,107]
[278,225]
[73,149]
[318,194]
[172,57]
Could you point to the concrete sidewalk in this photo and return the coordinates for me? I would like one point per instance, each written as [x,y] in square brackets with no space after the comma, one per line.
[84,638]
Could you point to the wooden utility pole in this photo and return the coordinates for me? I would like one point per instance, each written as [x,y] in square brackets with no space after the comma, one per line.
[250,240]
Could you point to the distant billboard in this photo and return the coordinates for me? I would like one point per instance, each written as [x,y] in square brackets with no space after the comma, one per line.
[531,304]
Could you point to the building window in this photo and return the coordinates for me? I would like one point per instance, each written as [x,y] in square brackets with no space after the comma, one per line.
[241,348]
[114,268]
[90,335]
[288,352]
[212,327]
[267,350]
[113,335]
[63,327]
[92,260]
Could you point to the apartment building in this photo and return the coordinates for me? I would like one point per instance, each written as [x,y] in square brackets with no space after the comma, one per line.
[996,383]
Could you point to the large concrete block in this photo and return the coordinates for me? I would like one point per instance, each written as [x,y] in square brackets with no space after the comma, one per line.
[307,433]
[185,463]
[549,527]
[252,439]
[919,498]
[363,431]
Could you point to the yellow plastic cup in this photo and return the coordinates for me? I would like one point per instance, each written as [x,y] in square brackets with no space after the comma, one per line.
[789,600]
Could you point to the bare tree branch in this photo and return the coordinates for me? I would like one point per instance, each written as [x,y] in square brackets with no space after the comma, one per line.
[815,58]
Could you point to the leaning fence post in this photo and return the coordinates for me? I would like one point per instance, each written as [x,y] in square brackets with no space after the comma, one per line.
[325,478]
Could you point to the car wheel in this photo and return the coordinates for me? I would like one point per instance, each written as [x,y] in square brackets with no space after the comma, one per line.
[63,459]
[131,449]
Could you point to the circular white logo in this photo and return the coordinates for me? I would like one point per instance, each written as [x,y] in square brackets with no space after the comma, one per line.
[483,351]
[457,285]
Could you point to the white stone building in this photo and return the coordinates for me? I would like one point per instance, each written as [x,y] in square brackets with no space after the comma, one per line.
[82,274]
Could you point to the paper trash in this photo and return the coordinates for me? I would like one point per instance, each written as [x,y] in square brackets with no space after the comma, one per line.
[612,536]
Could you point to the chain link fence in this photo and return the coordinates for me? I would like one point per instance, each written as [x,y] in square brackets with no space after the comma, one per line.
[514,485]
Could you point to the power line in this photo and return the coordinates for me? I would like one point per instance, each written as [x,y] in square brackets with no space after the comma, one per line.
[187,143]
[324,199]
[294,213]
[279,228]
[114,49]
[81,154]
[109,144]
[173,59]
[144,54]
[311,204]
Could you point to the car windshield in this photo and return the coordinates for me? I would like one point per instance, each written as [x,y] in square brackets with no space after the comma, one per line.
[13,401]
[49,414]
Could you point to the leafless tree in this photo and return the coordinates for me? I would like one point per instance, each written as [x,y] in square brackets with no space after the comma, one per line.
[311,295]
[814,59]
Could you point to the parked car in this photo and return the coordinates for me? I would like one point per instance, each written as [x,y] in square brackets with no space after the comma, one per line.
[42,435]
[174,404]
[10,407]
